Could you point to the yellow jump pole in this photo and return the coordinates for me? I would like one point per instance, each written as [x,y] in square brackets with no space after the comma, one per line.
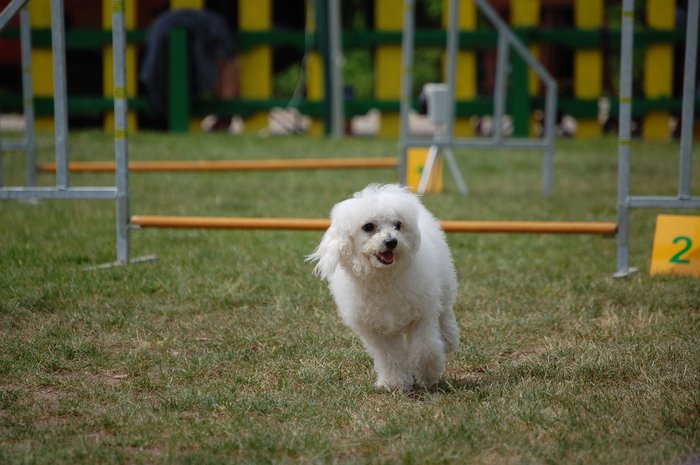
[229,165]
[107,64]
[588,64]
[658,68]
[306,224]
[256,63]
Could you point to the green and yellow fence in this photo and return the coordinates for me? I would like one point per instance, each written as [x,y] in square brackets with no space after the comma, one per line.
[586,40]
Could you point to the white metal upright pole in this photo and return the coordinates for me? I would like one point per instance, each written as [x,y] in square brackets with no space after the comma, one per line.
[336,68]
[60,93]
[406,83]
[28,96]
[451,68]
[624,138]
[501,87]
[9,11]
[688,108]
[550,118]
[120,130]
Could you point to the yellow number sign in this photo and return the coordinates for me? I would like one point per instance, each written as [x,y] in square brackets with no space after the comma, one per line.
[676,245]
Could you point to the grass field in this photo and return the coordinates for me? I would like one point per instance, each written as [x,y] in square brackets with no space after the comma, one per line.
[228,350]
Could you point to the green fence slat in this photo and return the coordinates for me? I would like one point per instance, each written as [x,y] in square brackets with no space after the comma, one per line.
[178,81]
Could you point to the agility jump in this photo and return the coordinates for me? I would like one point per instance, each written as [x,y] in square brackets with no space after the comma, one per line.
[228,165]
[306,224]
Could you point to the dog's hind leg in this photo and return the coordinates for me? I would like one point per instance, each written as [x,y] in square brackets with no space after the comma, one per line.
[449,330]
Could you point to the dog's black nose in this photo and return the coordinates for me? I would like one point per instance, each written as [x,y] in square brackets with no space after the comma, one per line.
[391,244]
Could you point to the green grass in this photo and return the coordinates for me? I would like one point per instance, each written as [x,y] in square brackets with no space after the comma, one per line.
[228,350]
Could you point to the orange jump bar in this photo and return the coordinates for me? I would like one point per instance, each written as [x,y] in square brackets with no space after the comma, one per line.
[228,165]
[208,222]
[303,224]
[530,227]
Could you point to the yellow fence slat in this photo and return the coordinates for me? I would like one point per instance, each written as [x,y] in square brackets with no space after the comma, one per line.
[42,60]
[465,83]
[658,69]
[256,63]
[186,4]
[315,89]
[588,64]
[108,66]
[388,16]
[526,13]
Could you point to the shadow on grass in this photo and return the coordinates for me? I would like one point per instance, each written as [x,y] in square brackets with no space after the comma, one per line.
[452,383]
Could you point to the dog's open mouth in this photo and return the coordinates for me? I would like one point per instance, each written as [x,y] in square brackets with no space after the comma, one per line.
[386,258]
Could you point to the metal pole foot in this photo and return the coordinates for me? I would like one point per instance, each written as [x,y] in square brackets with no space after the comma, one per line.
[625,273]
[133,261]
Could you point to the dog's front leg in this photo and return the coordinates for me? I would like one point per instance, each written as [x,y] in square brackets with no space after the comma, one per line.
[389,355]
[426,353]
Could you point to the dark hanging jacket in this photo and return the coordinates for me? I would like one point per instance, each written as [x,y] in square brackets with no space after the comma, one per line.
[209,39]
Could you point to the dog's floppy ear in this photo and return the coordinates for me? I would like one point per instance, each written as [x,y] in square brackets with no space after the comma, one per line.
[328,252]
[335,244]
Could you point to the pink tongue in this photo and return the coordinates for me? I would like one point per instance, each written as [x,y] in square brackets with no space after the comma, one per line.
[387,257]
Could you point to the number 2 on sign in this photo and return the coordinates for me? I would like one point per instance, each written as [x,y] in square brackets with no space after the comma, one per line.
[678,258]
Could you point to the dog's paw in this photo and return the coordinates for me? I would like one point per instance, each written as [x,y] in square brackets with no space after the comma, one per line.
[428,375]
[404,384]
[425,383]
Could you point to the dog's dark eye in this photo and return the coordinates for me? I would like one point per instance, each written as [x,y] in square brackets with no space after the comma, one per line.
[398,225]
[369,227]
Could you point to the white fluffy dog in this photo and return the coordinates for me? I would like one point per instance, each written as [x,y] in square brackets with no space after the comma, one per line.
[391,274]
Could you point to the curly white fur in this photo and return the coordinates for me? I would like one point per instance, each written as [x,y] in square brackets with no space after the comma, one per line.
[391,273]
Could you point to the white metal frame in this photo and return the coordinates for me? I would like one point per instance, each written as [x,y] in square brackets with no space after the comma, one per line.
[63,190]
[28,142]
[446,140]
[684,199]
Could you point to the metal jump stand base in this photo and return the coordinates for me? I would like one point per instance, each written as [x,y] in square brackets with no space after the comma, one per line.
[133,261]
[625,273]
[431,160]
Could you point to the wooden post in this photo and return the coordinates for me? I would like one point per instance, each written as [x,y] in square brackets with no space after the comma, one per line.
[388,16]
[524,82]
[658,69]
[256,63]
[588,64]
[108,66]
[465,83]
